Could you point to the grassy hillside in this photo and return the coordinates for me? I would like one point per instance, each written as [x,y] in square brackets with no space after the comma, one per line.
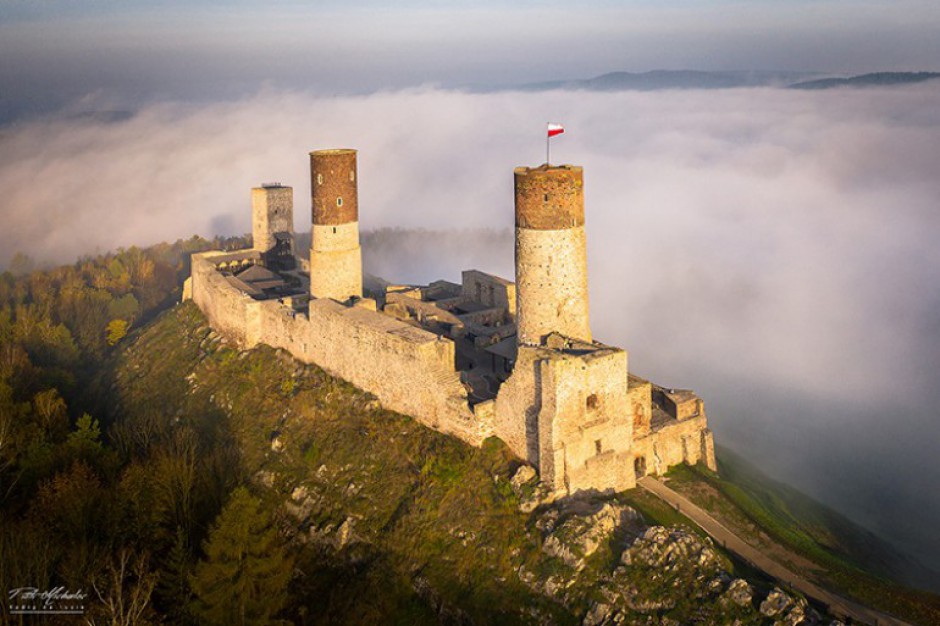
[390,522]
[808,537]
[138,449]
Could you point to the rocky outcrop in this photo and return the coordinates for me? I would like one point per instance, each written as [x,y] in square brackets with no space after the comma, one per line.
[579,536]
[671,575]
[787,610]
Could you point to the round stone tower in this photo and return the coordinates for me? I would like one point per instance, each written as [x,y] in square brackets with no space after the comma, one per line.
[335,256]
[551,257]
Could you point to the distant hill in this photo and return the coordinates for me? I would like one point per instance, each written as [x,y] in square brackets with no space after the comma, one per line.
[877,79]
[673,79]
[694,79]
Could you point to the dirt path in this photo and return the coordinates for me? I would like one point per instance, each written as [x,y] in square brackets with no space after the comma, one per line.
[837,605]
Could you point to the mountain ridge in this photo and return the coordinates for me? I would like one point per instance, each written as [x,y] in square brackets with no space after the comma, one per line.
[657,80]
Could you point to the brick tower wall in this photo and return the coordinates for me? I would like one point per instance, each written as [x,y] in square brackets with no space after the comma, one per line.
[335,255]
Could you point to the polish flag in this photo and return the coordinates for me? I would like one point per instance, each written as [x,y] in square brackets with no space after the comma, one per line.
[555,129]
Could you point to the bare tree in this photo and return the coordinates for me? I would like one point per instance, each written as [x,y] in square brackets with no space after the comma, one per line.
[125,592]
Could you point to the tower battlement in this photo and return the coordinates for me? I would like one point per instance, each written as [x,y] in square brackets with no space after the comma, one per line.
[549,197]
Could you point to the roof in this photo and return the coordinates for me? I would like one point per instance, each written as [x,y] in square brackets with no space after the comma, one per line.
[256,273]
[506,348]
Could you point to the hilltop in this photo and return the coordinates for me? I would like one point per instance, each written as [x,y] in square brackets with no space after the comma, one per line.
[162,434]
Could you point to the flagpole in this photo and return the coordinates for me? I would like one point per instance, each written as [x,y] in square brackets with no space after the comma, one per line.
[548,139]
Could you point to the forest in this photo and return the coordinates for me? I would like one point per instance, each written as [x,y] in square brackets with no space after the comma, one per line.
[97,499]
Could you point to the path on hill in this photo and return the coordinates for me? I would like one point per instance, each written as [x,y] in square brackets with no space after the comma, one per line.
[837,605]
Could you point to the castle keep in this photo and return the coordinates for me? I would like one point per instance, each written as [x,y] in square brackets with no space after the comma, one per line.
[486,357]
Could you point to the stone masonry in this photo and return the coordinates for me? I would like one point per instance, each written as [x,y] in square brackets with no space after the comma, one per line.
[487,357]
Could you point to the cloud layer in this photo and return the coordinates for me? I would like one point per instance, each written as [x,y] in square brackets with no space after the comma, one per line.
[774,250]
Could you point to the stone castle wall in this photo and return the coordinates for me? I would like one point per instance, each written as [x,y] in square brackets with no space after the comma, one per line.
[409,370]
[336,261]
[566,414]
[570,408]
[225,306]
[585,433]
[488,290]
[688,441]
[551,281]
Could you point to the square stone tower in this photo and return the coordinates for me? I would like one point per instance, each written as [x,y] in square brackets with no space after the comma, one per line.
[272,225]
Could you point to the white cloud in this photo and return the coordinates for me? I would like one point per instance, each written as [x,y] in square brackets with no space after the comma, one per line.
[774,249]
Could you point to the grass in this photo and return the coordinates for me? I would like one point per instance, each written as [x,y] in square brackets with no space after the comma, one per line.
[845,554]
[436,528]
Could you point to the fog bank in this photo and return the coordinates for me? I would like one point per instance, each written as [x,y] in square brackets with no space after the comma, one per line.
[774,250]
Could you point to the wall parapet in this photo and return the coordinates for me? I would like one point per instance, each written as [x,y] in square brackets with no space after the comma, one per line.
[409,370]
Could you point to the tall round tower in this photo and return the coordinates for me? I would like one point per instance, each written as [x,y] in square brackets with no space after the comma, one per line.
[551,255]
[335,256]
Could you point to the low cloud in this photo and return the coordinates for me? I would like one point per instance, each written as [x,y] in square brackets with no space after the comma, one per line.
[775,250]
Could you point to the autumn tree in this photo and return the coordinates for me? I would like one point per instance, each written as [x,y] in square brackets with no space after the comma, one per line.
[243,579]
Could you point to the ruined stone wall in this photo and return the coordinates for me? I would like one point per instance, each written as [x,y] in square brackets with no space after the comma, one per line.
[565,414]
[518,404]
[688,441]
[408,369]
[488,290]
[640,401]
[225,306]
[272,211]
[585,435]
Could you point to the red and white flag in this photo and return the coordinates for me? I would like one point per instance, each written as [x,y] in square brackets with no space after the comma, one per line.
[555,129]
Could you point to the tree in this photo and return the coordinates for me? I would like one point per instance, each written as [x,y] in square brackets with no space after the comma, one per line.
[243,579]
[117,329]
[21,264]
[125,592]
[51,413]
[173,589]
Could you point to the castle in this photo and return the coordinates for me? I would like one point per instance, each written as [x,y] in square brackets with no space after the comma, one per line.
[486,357]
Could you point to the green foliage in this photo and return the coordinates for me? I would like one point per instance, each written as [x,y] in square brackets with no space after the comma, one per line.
[845,554]
[243,579]
[125,307]
[117,330]
[430,527]
[173,592]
